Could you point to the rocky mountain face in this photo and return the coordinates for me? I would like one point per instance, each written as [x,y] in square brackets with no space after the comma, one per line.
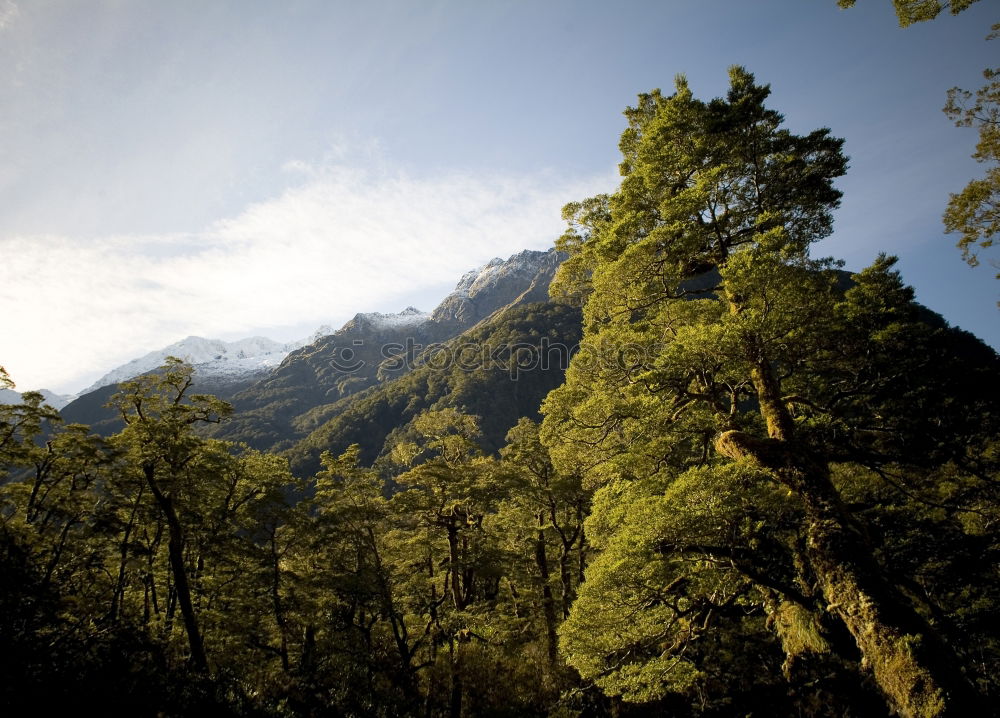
[521,279]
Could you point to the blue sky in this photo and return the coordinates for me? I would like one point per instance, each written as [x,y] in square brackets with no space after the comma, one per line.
[235,168]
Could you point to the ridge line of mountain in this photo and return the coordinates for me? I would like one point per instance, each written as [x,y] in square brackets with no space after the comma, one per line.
[252,380]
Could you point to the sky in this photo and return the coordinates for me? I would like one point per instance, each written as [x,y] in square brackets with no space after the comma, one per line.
[251,167]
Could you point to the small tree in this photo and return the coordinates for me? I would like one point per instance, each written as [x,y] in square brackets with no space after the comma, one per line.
[160,414]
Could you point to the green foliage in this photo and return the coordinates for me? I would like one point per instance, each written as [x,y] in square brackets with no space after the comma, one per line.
[935,532]
[572,281]
[681,561]
[20,425]
[54,658]
[761,489]
[912,11]
[686,206]
[874,390]
[974,212]
[86,525]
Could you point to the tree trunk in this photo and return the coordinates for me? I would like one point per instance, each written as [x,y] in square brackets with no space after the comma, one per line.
[307,658]
[458,596]
[279,609]
[57,552]
[548,604]
[400,634]
[175,550]
[41,472]
[118,597]
[565,582]
[916,671]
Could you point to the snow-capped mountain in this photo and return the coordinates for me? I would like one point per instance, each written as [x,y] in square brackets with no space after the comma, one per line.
[377,321]
[217,361]
[259,374]
[478,293]
[314,384]
[523,277]
[212,358]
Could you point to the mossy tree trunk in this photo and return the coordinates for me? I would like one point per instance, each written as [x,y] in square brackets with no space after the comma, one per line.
[916,671]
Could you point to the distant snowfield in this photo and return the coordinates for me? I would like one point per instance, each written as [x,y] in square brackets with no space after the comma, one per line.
[210,357]
[240,359]
[409,317]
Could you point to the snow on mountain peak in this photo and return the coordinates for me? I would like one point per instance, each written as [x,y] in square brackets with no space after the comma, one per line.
[377,320]
[323,330]
[210,357]
[476,280]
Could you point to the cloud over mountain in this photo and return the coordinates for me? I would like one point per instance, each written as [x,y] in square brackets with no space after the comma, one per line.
[340,240]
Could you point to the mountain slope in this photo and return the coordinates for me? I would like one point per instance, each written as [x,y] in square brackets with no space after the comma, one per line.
[500,370]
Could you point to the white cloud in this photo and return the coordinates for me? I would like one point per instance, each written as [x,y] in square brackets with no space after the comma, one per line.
[8,13]
[342,241]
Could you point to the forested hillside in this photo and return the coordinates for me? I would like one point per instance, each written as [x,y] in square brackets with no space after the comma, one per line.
[499,372]
[707,477]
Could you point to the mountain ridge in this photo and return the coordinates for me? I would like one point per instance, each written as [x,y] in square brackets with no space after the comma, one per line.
[368,351]
[271,384]
[212,357]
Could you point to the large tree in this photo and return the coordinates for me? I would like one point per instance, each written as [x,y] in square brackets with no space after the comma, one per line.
[753,386]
